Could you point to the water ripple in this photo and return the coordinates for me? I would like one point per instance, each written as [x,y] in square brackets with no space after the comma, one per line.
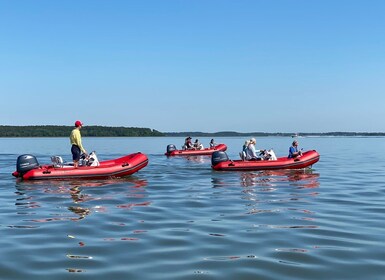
[178,219]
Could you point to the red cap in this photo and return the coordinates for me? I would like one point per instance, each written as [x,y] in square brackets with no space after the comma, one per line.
[78,123]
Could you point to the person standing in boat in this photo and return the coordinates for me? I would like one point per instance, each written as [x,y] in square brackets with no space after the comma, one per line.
[76,143]
[293,150]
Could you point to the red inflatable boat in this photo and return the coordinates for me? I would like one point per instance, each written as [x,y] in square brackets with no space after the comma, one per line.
[29,169]
[172,151]
[220,161]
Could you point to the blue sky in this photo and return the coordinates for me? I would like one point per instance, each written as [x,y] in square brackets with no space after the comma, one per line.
[194,65]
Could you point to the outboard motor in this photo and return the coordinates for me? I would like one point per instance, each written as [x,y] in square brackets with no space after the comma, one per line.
[170,148]
[26,163]
[218,157]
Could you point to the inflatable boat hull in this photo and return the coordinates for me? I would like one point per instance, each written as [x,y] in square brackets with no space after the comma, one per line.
[119,167]
[307,159]
[207,151]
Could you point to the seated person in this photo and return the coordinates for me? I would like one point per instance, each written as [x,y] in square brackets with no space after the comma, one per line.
[212,144]
[244,150]
[251,152]
[197,145]
[188,144]
[293,150]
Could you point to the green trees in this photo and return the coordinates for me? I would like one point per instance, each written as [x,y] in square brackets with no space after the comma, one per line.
[64,131]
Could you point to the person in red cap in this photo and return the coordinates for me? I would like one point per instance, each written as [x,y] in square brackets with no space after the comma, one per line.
[76,142]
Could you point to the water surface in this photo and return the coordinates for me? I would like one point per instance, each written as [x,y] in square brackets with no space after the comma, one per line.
[178,219]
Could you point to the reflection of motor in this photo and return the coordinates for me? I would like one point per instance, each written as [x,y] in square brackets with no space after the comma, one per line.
[90,160]
[218,157]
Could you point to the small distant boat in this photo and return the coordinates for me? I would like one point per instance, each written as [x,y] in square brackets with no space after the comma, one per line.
[172,151]
[295,135]
[28,168]
[220,161]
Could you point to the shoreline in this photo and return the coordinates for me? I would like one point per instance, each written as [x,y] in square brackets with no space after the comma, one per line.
[8,131]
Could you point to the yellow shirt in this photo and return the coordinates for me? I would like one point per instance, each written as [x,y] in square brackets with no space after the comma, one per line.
[76,139]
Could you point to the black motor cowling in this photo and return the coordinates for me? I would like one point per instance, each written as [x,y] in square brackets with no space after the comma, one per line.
[218,157]
[26,163]
[171,148]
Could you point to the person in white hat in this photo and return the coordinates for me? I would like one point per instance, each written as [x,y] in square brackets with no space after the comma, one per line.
[251,152]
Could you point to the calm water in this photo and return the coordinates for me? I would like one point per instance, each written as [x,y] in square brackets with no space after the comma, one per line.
[178,219]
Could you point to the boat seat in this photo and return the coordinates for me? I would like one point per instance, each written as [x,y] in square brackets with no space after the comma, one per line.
[57,161]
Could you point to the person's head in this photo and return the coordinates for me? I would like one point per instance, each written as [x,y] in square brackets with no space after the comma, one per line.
[196,140]
[253,141]
[295,143]
[212,141]
[78,124]
[247,142]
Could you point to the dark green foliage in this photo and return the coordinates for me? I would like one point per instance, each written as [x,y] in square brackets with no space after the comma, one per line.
[262,134]
[108,131]
[64,131]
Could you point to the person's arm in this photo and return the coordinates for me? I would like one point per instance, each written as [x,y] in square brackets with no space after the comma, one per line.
[81,146]
[78,141]
[294,152]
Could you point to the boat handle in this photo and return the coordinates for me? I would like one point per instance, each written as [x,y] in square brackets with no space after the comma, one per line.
[46,172]
[125,164]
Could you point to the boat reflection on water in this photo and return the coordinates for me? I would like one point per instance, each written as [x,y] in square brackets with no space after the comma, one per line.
[300,178]
[199,159]
[264,192]
[44,184]
[33,195]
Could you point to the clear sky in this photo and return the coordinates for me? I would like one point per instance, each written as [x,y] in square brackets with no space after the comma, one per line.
[194,65]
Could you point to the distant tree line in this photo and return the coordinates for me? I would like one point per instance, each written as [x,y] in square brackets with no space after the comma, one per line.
[265,134]
[107,131]
[64,131]
[222,134]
